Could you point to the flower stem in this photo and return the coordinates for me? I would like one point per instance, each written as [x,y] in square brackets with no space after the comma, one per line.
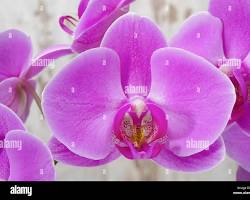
[32,91]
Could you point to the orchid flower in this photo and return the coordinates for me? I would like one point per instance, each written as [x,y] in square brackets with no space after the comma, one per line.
[23,157]
[94,18]
[222,36]
[138,98]
[17,69]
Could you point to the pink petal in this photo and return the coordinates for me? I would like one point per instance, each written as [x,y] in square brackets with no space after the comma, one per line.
[95,21]
[202,35]
[8,121]
[62,154]
[243,175]
[33,162]
[238,145]
[4,165]
[244,119]
[246,64]
[81,101]
[8,91]
[45,58]
[201,161]
[82,7]
[2,77]
[135,39]
[96,11]
[16,97]
[197,98]
[15,52]
[235,17]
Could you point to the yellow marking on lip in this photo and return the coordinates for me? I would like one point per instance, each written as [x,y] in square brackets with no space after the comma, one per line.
[138,137]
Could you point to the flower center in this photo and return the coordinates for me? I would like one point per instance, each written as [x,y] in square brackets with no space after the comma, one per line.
[140,129]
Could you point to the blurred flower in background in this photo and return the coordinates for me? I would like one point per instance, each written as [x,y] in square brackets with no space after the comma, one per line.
[222,36]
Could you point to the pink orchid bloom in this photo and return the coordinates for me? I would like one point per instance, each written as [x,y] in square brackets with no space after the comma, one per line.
[138,98]
[222,36]
[17,88]
[95,16]
[23,157]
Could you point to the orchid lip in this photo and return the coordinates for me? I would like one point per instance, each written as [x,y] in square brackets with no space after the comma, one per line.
[137,129]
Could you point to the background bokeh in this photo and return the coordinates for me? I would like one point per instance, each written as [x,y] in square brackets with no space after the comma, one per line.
[39,19]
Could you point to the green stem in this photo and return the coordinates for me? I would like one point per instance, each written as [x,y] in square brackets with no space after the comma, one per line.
[32,91]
